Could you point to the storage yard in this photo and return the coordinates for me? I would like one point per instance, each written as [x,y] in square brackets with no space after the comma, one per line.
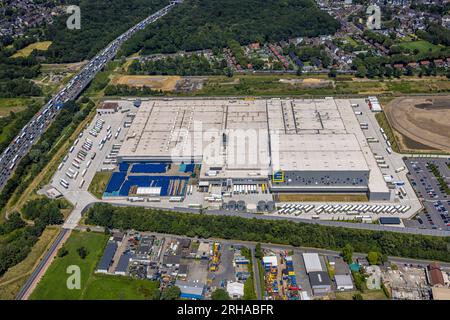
[241,155]
[197,267]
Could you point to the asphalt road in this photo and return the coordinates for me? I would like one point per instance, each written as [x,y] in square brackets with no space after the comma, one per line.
[30,281]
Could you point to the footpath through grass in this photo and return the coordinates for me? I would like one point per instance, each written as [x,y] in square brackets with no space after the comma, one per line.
[93,286]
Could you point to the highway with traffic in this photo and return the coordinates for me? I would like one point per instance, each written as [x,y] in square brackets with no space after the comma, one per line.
[33,130]
[41,121]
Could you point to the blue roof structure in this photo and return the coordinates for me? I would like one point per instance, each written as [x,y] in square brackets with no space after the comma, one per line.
[106,260]
[166,183]
[149,168]
[115,182]
[123,166]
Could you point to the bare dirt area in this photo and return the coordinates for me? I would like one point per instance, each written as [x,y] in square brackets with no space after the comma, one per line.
[422,123]
[309,83]
[164,83]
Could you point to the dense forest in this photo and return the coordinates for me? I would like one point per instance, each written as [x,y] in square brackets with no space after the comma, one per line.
[273,231]
[14,75]
[101,22]
[194,65]
[201,24]
[18,238]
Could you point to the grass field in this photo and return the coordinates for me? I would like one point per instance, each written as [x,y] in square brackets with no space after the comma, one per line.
[421,45]
[323,197]
[367,295]
[270,85]
[15,277]
[93,286]
[99,183]
[25,52]
[14,104]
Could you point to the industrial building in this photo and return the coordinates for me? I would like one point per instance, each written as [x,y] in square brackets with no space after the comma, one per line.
[312,262]
[292,145]
[320,282]
[107,258]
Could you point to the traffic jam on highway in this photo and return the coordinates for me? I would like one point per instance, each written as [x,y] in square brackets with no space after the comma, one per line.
[32,131]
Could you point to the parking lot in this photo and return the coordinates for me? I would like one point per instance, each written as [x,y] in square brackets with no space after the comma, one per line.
[87,156]
[434,197]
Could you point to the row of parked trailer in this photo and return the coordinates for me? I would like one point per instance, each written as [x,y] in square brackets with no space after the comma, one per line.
[385,137]
[357,209]
[97,127]
[295,209]
[244,188]
[77,162]
[111,158]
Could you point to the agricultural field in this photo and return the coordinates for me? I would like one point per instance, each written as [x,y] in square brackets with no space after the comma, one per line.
[93,286]
[25,52]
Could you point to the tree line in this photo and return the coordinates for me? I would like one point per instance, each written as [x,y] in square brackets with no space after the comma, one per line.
[270,231]
[18,237]
[202,24]
[125,90]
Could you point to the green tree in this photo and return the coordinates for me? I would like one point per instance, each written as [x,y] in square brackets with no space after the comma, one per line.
[171,293]
[258,251]
[63,252]
[82,252]
[347,253]
[220,294]
[357,296]
[361,71]
[374,257]
[332,73]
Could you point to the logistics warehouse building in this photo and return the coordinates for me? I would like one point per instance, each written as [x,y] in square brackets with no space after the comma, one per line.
[295,145]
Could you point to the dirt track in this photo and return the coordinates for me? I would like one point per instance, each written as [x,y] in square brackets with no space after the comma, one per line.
[424,120]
